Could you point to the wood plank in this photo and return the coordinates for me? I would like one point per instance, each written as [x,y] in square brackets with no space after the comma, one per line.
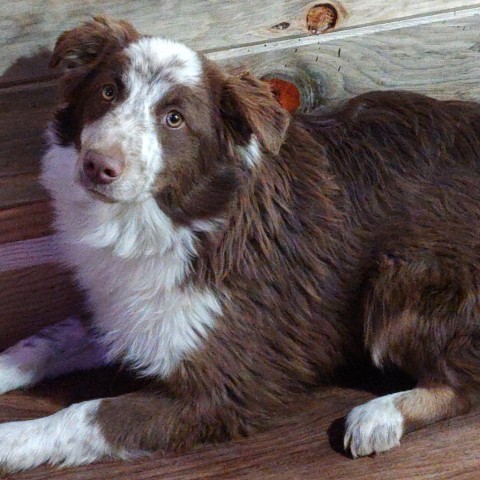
[299,450]
[344,33]
[29,253]
[25,222]
[21,189]
[439,59]
[24,113]
[33,297]
[30,29]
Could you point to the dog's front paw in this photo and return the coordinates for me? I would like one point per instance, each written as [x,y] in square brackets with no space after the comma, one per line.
[68,437]
[12,376]
[374,427]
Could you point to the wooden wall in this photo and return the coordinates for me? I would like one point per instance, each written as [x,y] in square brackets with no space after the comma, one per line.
[333,51]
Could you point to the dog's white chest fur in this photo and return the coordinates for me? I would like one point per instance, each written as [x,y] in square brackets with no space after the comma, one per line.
[132,262]
[141,321]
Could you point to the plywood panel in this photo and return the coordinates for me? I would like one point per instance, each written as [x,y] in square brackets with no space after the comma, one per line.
[438,59]
[29,30]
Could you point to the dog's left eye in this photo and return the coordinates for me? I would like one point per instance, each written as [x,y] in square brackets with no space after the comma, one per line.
[174,119]
[109,92]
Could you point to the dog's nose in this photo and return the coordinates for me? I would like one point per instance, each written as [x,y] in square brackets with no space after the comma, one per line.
[102,169]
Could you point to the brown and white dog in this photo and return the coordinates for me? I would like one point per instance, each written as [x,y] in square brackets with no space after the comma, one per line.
[242,256]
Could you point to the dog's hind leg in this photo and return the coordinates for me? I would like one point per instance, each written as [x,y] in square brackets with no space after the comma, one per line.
[421,316]
[378,425]
[55,350]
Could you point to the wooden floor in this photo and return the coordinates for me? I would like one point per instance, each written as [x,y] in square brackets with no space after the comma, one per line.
[307,447]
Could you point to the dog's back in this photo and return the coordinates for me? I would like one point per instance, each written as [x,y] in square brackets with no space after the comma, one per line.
[409,170]
[381,139]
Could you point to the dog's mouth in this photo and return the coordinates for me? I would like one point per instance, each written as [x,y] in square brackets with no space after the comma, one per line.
[100,196]
[93,190]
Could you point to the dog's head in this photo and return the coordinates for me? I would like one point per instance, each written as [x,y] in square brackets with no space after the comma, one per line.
[150,117]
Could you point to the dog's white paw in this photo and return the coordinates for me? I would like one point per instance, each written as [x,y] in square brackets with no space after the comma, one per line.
[13,376]
[374,427]
[56,349]
[69,437]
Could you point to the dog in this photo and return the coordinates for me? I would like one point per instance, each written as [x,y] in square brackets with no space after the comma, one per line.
[242,256]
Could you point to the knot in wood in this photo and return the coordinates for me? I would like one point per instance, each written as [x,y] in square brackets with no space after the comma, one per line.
[281,26]
[286,92]
[321,18]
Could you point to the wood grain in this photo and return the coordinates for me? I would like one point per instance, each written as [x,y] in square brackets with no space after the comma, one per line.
[29,253]
[440,59]
[25,222]
[21,189]
[33,297]
[30,29]
[299,450]
[339,34]
[24,113]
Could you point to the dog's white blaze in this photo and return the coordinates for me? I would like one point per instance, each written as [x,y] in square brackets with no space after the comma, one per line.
[374,427]
[150,55]
[68,437]
[129,129]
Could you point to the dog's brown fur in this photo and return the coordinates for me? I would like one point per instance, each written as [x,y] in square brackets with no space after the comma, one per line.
[356,234]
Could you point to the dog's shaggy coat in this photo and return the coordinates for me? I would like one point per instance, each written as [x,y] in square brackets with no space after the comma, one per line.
[243,256]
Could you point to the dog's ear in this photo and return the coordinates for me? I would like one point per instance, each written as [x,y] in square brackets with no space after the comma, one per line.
[87,43]
[248,107]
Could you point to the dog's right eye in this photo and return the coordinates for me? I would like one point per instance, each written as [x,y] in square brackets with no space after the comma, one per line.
[109,92]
